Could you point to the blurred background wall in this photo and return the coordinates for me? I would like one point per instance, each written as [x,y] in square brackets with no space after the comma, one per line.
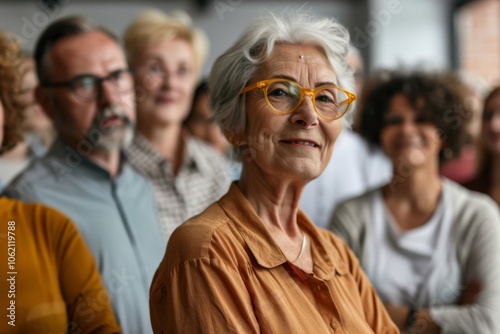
[441,34]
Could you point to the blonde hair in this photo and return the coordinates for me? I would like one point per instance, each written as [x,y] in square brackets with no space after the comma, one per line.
[152,26]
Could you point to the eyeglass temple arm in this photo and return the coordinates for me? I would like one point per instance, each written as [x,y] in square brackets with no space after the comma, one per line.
[54,84]
[352,98]
[259,84]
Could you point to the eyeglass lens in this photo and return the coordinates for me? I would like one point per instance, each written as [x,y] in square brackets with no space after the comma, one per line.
[89,85]
[284,96]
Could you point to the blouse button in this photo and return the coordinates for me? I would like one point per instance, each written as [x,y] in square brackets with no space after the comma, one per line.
[334,325]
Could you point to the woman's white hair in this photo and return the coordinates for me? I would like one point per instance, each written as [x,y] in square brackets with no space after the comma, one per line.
[233,69]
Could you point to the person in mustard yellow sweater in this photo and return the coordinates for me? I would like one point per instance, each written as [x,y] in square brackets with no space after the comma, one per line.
[49,281]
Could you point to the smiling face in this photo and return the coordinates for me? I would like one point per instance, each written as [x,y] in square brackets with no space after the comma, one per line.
[166,78]
[298,145]
[491,124]
[408,136]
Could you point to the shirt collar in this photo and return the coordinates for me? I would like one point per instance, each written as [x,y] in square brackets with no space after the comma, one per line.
[262,245]
[142,155]
[70,158]
[148,160]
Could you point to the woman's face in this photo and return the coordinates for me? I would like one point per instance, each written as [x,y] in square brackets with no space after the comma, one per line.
[165,80]
[298,145]
[202,124]
[407,137]
[491,124]
[35,118]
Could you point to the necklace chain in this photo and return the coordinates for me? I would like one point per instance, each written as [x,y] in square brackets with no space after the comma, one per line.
[302,248]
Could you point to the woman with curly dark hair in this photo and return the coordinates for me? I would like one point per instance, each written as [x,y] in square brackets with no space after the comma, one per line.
[50,282]
[429,246]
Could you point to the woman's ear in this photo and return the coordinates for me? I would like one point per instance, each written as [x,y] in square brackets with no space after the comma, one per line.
[234,138]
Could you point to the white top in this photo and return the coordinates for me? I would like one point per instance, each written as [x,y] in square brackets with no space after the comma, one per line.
[402,263]
[474,243]
[353,170]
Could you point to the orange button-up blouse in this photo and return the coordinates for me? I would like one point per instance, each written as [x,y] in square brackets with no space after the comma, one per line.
[224,273]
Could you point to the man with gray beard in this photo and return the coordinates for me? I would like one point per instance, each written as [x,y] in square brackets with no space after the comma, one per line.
[87,90]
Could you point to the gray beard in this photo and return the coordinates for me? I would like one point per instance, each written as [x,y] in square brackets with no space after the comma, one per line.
[112,138]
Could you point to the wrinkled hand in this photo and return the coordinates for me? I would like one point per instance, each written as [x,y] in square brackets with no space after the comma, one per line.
[470,293]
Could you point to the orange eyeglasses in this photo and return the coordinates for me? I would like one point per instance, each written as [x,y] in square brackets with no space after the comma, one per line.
[285,96]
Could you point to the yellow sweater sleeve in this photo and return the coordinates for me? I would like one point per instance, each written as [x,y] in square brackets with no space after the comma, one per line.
[89,308]
[56,282]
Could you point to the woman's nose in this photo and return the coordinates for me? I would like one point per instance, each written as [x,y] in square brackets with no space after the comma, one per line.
[305,115]
[408,126]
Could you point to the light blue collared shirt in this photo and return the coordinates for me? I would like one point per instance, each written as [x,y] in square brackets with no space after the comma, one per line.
[116,216]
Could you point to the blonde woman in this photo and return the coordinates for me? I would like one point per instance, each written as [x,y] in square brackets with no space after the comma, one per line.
[187,174]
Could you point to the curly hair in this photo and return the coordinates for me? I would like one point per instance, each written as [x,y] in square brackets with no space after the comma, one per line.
[10,77]
[435,97]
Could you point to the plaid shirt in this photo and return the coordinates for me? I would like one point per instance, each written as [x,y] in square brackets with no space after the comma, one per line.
[202,179]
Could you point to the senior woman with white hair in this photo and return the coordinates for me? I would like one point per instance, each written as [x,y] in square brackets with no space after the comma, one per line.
[253,262]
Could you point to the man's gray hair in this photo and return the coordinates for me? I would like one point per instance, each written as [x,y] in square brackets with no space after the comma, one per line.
[65,27]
